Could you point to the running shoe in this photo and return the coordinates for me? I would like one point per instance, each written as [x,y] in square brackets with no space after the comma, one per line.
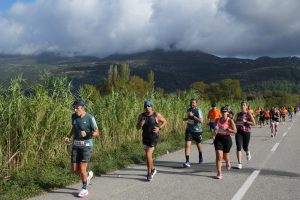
[228,165]
[272,135]
[153,172]
[149,177]
[83,193]
[186,164]
[239,166]
[275,133]
[201,160]
[219,176]
[89,178]
[248,156]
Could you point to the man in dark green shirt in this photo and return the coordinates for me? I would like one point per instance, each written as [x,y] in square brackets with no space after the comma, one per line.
[193,131]
[84,128]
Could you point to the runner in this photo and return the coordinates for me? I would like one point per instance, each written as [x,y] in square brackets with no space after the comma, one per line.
[213,115]
[267,116]
[151,123]
[295,110]
[275,117]
[225,126]
[257,113]
[230,112]
[193,131]
[283,111]
[261,118]
[244,122]
[291,112]
[84,129]
[250,110]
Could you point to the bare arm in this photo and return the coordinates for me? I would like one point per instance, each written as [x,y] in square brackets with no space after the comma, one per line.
[252,120]
[96,133]
[68,137]
[140,122]
[232,128]
[162,121]
[198,119]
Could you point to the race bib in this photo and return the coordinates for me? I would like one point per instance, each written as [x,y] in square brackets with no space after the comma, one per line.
[240,123]
[79,143]
[222,131]
[191,121]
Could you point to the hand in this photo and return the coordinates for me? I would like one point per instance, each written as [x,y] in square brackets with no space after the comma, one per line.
[191,114]
[83,133]
[67,140]
[156,129]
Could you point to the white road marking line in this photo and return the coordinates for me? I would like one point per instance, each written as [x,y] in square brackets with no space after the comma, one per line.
[284,134]
[275,147]
[242,191]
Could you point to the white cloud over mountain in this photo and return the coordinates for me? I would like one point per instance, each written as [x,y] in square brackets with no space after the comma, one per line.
[104,27]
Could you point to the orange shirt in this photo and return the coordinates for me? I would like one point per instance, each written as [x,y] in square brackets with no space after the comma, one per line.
[257,111]
[267,113]
[251,111]
[214,114]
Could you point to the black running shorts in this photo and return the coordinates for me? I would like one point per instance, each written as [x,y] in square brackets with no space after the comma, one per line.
[190,136]
[223,143]
[79,155]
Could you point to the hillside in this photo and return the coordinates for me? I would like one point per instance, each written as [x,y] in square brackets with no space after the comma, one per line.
[173,69]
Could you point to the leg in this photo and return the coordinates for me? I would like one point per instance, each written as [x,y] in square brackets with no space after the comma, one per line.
[239,156]
[75,160]
[83,171]
[246,141]
[188,148]
[200,148]
[149,159]
[219,158]
[226,151]
[238,141]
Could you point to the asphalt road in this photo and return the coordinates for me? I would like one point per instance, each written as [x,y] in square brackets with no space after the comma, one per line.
[272,173]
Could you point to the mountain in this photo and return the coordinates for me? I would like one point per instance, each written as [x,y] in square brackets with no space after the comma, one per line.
[173,69]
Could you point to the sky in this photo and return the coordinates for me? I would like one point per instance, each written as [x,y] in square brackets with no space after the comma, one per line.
[229,28]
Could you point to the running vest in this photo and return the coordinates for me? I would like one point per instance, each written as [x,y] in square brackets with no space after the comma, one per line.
[222,127]
[192,124]
[240,124]
[150,124]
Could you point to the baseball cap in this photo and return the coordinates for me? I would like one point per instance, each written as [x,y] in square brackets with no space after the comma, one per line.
[148,103]
[78,103]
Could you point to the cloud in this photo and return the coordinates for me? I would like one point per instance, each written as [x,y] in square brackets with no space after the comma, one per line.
[104,27]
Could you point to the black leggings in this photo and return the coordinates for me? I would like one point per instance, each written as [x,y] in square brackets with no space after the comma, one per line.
[242,138]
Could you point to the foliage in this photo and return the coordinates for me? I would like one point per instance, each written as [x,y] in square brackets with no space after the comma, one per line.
[223,89]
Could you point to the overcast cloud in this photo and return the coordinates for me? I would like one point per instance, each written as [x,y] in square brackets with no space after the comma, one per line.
[247,28]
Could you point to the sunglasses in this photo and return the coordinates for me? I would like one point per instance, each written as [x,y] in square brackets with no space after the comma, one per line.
[146,106]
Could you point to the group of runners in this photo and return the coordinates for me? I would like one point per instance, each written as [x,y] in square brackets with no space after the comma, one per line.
[274,116]
[223,123]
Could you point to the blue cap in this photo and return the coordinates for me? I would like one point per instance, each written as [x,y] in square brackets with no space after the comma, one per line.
[78,103]
[148,103]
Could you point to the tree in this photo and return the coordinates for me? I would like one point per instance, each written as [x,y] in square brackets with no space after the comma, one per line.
[139,85]
[150,80]
[201,88]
